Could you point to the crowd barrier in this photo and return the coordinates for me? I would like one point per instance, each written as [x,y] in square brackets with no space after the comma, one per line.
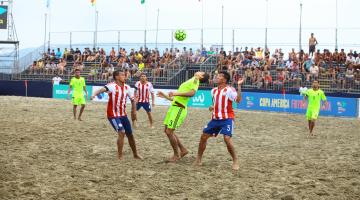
[288,103]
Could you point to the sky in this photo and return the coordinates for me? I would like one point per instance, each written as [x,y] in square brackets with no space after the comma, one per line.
[247,18]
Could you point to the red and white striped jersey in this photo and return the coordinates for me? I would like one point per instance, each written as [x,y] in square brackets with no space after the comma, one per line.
[117,99]
[143,91]
[222,102]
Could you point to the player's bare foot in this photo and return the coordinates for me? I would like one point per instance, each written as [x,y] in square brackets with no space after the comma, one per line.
[135,125]
[152,127]
[120,157]
[174,158]
[79,119]
[197,163]
[182,154]
[235,165]
[138,157]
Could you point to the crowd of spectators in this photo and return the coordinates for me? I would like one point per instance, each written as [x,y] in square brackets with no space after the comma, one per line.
[260,68]
[100,64]
[263,69]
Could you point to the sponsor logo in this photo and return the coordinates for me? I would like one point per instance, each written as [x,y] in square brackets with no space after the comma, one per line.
[249,101]
[199,99]
[341,106]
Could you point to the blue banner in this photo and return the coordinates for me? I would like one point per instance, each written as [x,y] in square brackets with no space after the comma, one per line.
[60,91]
[202,99]
[344,107]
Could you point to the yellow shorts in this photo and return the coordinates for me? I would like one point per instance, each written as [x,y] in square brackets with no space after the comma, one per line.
[78,101]
[312,114]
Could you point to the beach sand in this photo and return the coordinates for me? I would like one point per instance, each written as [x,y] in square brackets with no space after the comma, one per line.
[45,154]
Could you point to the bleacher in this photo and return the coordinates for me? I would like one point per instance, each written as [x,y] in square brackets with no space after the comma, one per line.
[176,75]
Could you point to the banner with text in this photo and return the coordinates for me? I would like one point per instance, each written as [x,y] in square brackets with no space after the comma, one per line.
[345,107]
[61,91]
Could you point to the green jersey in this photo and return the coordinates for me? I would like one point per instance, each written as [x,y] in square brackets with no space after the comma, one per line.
[314,98]
[77,84]
[187,86]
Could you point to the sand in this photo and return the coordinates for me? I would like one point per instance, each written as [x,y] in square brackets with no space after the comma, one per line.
[45,154]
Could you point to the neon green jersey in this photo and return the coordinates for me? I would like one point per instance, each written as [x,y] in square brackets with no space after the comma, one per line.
[77,84]
[187,86]
[314,98]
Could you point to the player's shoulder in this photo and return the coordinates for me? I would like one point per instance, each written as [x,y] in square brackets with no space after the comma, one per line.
[111,84]
[230,88]
[127,87]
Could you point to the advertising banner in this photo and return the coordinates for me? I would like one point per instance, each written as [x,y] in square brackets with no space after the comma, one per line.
[359,108]
[202,99]
[60,91]
[3,17]
[344,107]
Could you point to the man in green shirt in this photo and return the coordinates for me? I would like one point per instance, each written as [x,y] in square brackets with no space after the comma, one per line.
[77,84]
[178,110]
[314,97]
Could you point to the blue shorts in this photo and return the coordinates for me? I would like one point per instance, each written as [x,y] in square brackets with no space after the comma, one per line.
[121,124]
[146,106]
[222,126]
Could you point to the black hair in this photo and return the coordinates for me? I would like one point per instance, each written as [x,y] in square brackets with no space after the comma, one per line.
[77,70]
[205,78]
[226,75]
[116,73]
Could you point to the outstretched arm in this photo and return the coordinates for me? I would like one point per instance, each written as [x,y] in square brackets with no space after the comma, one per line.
[165,96]
[102,90]
[191,93]
[239,97]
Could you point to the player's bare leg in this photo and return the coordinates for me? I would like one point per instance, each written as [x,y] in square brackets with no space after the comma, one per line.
[134,124]
[312,125]
[150,120]
[74,111]
[173,142]
[202,146]
[120,144]
[81,112]
[231,149]
[132,144]
[183,150]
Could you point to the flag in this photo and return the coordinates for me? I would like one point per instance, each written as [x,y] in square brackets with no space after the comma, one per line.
[93,2]
[142,1]
[26,83]
[47,3]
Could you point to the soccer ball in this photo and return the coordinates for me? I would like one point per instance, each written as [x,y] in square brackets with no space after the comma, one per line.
[180,35]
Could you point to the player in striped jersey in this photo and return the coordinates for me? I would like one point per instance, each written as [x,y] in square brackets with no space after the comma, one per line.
[222,121]
[118,93]
[143,90]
